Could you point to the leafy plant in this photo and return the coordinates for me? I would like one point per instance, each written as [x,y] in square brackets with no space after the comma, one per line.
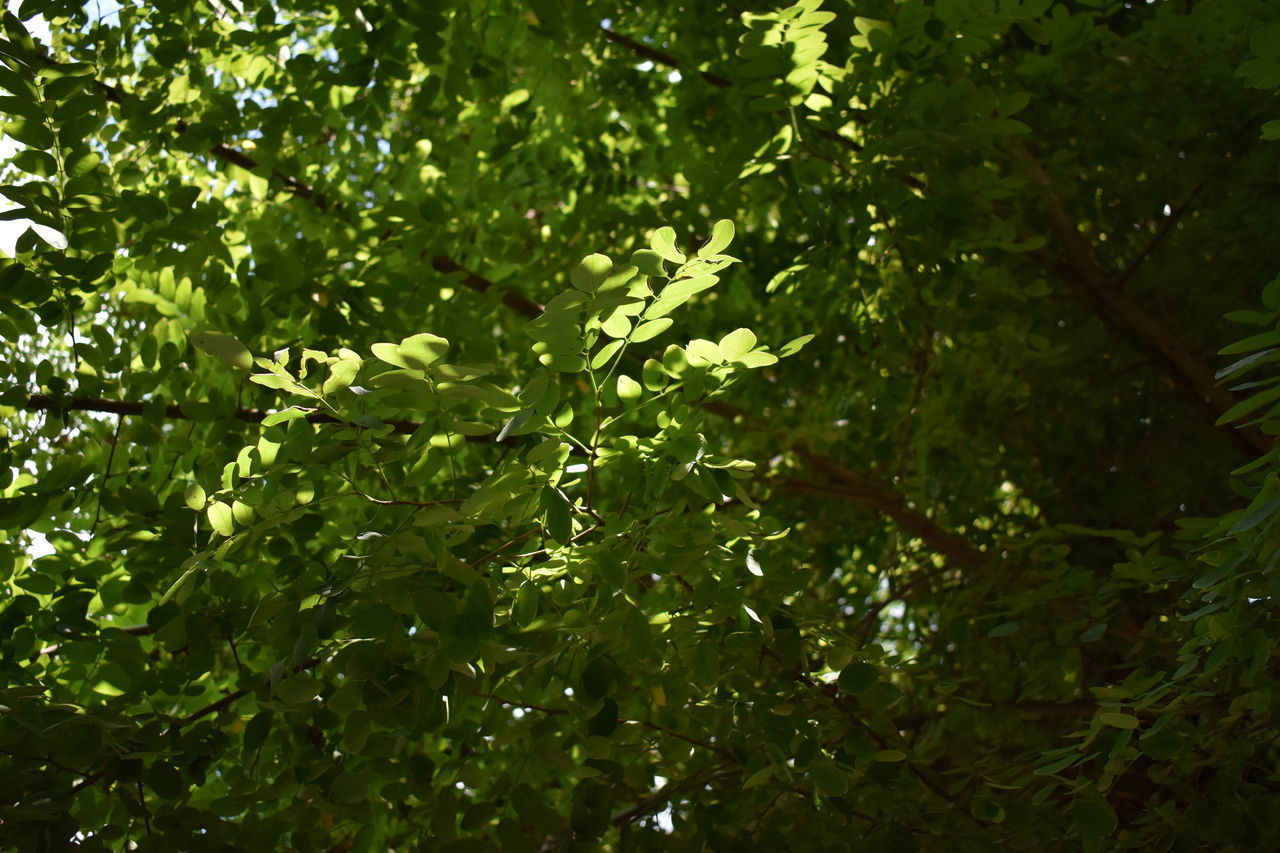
[539,426]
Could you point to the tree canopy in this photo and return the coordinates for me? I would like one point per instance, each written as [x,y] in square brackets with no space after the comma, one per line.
[545,426]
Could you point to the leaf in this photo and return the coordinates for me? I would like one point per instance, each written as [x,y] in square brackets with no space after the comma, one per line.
[591,272]
[793,347]
[617,326]
[1093,819]
[753,565]
[757,359]
[857,678]
[221,519]
[1249,404]
[1003,629]
[1119,721]
[760,777]
[737,344]
[1255,516]
[194,496]
[721,237]
[299,689]
[1057,766]
[628,389]
[224,347]
[422,351]
[558,520]
[828,778]
[653,375]
[702,352]
[682,289]
[663,242]
[651,329]
[648,262]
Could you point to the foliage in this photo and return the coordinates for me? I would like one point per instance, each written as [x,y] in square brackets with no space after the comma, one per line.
[541,426]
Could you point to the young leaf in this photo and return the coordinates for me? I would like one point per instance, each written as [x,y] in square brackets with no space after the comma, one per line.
[721,237]
[664,243]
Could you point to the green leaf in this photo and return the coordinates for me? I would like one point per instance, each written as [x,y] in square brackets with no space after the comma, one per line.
[702,352]
[760,777]
[1057,766]
[756,359]
[721,237]
[1093,819]
[651,329]
[299,689]
[648,262]
[617,326]
[559,525]
[682,289]
[663,243]
[737,344]
[1004,629]
[194,496]
[857,678]
[422,350]
[223,346]
[221,518]
[1119,721]
[653,375]
[165,779]
[793,347]
[628,389]
[591,272]
[1249,404]
[828,778]
[605,353]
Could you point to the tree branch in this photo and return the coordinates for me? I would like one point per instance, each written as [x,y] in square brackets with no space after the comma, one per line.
[1120,312]
[859,488]
[658,57]
[665,794]
[1167,228]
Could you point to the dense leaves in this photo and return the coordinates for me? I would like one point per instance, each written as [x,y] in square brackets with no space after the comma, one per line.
[546,426]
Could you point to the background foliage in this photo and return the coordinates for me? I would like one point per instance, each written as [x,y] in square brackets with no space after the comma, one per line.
[414,437]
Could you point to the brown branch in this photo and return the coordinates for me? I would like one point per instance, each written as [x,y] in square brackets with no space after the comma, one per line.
[307,192]
[173,411]
[861,489]
[1170,222]
[911,520]
[136,630]
[480,284]
[665,794]
[719,750]
[529,706]
[658,57]
[1120,312]
[666,59]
